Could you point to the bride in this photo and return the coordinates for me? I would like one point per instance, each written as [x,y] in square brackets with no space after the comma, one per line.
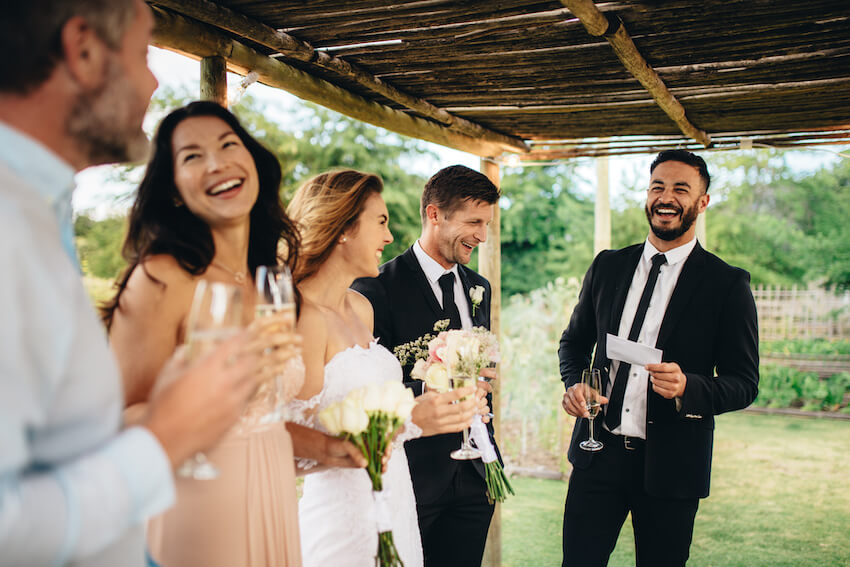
[344,226]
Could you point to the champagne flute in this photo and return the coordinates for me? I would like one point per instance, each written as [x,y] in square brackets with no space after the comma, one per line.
[467,451]
[275,295]
[590,380]
[215,315]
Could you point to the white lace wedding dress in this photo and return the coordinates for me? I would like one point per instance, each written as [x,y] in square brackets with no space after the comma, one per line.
[337,512]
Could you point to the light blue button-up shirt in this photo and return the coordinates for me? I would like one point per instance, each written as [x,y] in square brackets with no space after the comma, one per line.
[74,488]
[52,178]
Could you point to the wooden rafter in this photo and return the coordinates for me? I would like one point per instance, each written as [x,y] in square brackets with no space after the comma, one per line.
[182,34]
[215,15]
[611,27]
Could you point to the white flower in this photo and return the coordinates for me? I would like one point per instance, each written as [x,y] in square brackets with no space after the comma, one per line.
[391,393]
[330,418]
[418,371]
[437,378]
[476,295]
[372,396]
[405,406]
[353,418]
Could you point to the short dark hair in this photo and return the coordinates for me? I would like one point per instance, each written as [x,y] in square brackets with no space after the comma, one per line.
[685,157]
[157,225]
[31,35]
[451,186]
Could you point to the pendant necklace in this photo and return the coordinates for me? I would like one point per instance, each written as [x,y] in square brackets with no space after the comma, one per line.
[238,276]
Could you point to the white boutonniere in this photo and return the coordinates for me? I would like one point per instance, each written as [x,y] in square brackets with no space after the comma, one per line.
[476,295]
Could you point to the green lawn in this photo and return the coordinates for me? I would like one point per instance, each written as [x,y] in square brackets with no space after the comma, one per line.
[780,497]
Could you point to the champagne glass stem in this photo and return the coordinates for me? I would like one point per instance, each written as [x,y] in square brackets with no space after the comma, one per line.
[591,428]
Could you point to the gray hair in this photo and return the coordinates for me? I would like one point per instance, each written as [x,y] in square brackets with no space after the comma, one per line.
[31,30]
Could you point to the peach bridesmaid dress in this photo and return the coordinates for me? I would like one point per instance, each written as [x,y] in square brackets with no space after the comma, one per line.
[247,517]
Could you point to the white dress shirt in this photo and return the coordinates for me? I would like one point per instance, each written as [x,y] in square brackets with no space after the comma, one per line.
[74,488]
[433,271]
[633,417]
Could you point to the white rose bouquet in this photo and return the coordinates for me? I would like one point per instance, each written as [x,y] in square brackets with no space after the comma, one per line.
[368,417]
[463,352]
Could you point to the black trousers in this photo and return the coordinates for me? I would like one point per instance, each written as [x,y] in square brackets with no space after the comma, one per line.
[599,499]
[454,527]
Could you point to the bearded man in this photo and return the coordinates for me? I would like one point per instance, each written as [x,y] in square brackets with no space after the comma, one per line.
[658,423]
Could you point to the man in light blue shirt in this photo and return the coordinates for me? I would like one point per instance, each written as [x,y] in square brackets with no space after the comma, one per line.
[74,487]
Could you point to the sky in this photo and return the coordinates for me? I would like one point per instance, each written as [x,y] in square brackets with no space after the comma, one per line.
[97,191]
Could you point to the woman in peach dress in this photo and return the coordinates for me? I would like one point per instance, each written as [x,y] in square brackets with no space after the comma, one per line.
[209,207]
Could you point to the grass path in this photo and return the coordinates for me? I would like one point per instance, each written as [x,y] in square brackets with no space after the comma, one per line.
[780,497]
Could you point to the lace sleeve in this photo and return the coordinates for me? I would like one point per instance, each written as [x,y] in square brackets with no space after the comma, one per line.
[303,412]
[409,431]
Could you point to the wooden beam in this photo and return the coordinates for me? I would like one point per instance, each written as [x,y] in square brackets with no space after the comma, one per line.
[219,16]
[490,266]
[214,79]
[611,27]
[181,34]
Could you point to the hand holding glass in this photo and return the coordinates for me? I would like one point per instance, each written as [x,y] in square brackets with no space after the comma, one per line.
[215,315]
[591,383]
[467,451]
[275,296]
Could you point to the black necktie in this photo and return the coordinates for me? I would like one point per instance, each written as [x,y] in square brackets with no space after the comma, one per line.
[450,312]
[618,392]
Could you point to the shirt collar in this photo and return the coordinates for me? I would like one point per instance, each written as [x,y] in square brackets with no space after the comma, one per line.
[674,256]
[433,270]
[49,175]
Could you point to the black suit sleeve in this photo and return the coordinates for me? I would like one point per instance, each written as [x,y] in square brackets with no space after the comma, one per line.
[735,384]
[579,337]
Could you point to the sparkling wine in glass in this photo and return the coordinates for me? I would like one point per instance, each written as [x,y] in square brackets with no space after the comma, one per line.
[215,316]
[591,383]
[275,295]
[467,451]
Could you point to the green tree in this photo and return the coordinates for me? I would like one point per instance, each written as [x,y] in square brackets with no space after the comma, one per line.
[99,244]
[547,228]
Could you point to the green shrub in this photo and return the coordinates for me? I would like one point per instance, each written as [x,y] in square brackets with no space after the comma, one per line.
[782,387]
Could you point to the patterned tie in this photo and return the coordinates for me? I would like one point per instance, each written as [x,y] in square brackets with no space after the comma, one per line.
[450,312]
[618,392]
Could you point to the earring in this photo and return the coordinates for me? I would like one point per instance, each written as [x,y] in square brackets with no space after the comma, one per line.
[343,239]
[177,201]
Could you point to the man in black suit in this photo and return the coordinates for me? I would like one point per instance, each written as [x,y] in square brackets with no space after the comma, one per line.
[425,284]
[658,424]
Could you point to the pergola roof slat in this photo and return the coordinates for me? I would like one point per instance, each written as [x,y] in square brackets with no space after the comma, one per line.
[528,70]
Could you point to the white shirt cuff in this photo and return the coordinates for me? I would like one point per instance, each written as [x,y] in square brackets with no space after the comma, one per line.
[145,466]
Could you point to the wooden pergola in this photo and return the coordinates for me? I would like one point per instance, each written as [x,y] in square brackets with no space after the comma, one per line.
[524,80]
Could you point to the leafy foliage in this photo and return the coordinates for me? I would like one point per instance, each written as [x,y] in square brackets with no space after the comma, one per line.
[547,228]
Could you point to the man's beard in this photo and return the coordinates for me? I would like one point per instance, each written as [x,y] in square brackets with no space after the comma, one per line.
[104,123]
[667,234]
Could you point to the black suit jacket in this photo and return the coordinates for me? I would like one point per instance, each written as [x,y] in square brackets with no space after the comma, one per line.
[405,309]
[710,329]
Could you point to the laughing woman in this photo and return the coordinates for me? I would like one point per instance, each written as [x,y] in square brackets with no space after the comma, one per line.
[209,207]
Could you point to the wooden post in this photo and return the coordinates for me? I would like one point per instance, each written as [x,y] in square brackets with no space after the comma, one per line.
[701,235]
[490,266]
[602,209]
[214,79]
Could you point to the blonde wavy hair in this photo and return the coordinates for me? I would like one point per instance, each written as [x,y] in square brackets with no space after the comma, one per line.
[323,208]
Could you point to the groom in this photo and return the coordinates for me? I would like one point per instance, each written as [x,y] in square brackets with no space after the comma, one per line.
[427,283]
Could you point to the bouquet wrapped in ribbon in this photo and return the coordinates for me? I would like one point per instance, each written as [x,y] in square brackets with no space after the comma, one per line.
[368,417]
[460,352]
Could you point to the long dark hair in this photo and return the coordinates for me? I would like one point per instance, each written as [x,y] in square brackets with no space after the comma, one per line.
[158,226]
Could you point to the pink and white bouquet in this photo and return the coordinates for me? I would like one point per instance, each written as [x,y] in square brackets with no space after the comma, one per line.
[462,352]
[368,417]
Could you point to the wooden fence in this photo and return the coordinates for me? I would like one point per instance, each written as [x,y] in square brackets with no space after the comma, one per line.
[802,313]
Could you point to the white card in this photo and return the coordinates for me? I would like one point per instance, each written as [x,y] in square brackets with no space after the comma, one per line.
[631,352]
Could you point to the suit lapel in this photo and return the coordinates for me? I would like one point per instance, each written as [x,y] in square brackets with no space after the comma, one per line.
[409,257]
[624,282]
[686,286]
